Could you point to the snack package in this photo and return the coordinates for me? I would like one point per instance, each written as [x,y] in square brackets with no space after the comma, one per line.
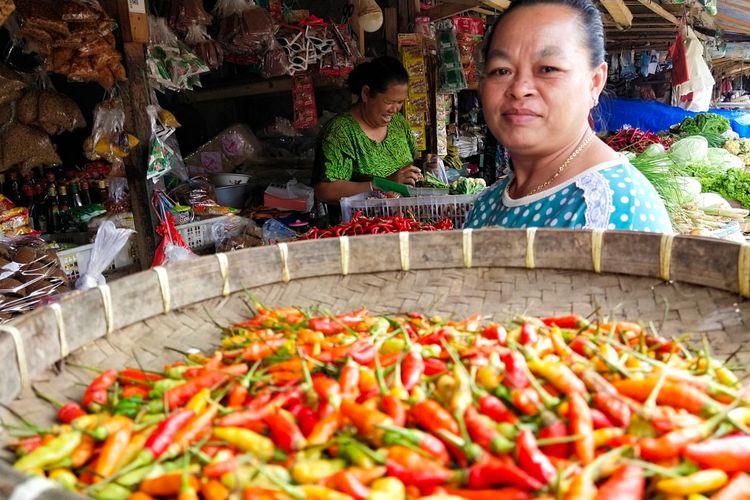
[171,65]
[119,197]
[108,243]
[303,94]
[27,147]
[7,7]
[256,33]
[275,62]
[29,275]
[452,77]
[469,35]
[172,247]
[108,139]
[205,47]
[230,148]
[164,153]
[236,233]
[52,111]
[340,61]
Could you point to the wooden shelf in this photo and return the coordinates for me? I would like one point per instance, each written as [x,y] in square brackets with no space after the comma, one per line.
[254,88]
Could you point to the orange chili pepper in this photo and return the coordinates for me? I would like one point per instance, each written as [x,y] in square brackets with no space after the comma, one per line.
[120,430]
[169,484]
[214,490]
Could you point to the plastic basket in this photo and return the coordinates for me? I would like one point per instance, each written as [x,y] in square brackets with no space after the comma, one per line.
[75,260]
[198,235]
[423,208]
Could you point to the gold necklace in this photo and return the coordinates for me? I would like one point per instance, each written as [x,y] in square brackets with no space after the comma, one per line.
[585,142]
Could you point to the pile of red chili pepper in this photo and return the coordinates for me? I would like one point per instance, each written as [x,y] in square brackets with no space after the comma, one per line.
[636,140]
[377,225]
[297,404]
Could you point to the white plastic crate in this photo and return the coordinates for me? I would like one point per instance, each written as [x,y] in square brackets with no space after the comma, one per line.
[198,235]
[423,208]
[75,260]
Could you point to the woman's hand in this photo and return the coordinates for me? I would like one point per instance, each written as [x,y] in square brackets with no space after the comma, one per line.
[408,175]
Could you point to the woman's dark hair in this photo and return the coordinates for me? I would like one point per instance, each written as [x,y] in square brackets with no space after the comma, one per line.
[589,21]
[378,74]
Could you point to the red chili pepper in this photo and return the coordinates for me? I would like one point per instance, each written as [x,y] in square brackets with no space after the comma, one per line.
[69,412]
[432,416]
[730,454]
[496,332]
[306,418]
[496,472]
[27,445]
[349,381]
[130,375]
[258,409]
[352,319]
[571,321]
[532,460]
[218,469]
[394,408]
[285,432]
[237,396]
[428,477]
[262,349]
[434,366]
[557,429]
[494,408]
[627,483]
[527,400]
[484,434]
[529,334]
[158,442]
[96,392]
[348,483]
[582,425]
[412,368]
[326,326]
[490,494]
[181,394]
[613,407]
[327,389]
[515,374]
[600,420]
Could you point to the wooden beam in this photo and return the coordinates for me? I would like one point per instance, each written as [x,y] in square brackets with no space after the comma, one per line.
[135,97]
[445,10]
[661,11]
[497,4]
[619,12]
[482,10]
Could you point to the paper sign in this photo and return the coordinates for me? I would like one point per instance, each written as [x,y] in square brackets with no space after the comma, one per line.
[137,6]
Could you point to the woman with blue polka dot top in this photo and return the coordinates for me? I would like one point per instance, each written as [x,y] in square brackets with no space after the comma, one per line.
[544,72]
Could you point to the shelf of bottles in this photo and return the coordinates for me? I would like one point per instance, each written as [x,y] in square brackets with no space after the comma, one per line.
[54,200]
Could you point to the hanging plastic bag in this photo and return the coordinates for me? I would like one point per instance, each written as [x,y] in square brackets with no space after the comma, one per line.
[172,247]
[108,243]
[186,13]
[305,108]
[235,234]
[164,153]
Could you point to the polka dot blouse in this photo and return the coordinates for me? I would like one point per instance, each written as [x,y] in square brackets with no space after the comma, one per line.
[612,195]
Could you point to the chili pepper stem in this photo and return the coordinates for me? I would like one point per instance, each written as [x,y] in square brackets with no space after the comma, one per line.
[55,403]
[558,440]
[84,367]
[21,418]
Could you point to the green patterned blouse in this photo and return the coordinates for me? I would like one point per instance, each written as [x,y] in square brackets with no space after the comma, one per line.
[346,153]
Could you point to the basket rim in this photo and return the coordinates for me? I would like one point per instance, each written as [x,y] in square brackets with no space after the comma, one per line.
[50,333]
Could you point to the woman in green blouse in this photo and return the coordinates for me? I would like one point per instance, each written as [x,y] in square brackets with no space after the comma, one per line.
[372,139]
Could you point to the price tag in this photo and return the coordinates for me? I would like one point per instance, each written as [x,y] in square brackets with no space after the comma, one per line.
[137,6]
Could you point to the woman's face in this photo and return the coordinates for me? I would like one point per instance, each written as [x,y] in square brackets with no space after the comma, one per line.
[381,107]
[538,86]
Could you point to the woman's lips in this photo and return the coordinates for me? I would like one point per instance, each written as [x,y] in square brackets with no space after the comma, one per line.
[519,116]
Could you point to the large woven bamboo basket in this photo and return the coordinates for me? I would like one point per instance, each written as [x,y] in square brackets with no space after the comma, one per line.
[681,284]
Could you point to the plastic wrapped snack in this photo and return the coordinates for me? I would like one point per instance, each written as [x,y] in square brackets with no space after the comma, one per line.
[81,11]
[205,47]
[52,111]
[236,233]
[108,139]
[186,13]
[29,275]
[275,62]
[305,108]
[230,148]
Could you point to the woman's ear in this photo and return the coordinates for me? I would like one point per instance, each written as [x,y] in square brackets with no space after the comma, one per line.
[598,81]
[365,94]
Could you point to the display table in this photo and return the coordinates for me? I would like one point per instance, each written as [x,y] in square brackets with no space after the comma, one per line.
[654,116]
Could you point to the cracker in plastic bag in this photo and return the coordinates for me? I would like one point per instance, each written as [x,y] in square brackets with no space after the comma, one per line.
[29,275]
[275,62]
[189,12]
[258,30]
[236,233]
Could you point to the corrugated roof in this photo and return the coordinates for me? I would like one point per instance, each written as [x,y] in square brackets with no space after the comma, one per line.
[734,16]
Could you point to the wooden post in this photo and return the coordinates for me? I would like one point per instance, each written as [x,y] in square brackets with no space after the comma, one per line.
[390,21]
[135,97]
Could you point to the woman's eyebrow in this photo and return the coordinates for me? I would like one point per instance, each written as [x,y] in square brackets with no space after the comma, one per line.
[544,52]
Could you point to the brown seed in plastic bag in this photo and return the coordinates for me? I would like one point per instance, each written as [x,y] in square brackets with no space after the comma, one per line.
[58,113]
[6,114]
[10,85]
[28,147]
[27,107]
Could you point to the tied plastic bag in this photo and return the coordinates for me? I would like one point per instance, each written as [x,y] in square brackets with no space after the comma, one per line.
[205,47]
[172,247]
[236,233]
[108,243]
[186,13]
[275,232]
[164,154]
